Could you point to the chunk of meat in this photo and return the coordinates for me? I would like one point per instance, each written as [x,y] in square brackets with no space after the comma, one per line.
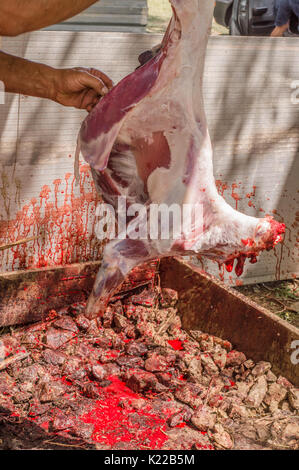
[148,140]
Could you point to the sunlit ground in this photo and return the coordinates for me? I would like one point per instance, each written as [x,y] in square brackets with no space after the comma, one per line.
[159,14]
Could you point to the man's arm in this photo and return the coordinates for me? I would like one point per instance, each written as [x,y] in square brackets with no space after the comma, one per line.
[21,16]
[80,88]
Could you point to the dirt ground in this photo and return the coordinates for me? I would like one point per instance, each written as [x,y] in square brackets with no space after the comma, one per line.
[281,298]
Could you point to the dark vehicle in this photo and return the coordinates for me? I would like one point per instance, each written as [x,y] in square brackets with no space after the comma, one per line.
[250,17]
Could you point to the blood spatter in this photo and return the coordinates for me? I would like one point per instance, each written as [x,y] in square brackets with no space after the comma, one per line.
[240,265]
[176,344]
[113,423]
[59,226]
[229,265]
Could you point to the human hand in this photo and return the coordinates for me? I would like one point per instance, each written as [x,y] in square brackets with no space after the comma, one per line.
[79,87]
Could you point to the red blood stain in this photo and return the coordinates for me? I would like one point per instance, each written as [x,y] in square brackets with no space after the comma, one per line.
[248,242]
[181,377]
[229,265]
[235,195]
[65,381]
[253,259]
[45,425]
[221,272]
[176,344]
[221,187]
[250,195]
[60,224]
[112,422]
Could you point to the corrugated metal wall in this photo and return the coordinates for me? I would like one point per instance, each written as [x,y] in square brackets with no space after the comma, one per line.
[254,123]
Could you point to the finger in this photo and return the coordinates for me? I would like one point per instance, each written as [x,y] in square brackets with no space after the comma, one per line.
[105,79]
[88,99]
[92,105]
[89,81]
[98,74]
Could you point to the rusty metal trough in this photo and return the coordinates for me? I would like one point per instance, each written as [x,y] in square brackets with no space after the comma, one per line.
[205,303]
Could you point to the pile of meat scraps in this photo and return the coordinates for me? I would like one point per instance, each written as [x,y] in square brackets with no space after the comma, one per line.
[134,379]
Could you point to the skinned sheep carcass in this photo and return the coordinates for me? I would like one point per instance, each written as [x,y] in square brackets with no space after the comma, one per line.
[147,140]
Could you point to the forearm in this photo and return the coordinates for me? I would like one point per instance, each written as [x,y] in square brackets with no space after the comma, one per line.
[20,16]
[25,77]
[81,88]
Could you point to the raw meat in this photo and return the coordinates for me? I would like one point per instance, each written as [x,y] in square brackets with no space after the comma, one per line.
[148,140]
